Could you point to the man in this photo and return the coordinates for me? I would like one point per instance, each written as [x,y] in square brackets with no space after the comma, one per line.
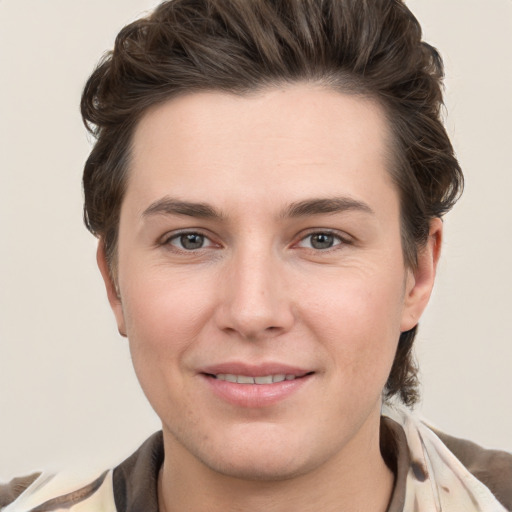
[267,187]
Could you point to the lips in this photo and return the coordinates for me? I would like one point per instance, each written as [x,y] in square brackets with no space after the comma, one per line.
[262,385]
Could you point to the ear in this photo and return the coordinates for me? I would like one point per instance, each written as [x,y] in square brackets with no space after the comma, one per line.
[420,280]
[111,287]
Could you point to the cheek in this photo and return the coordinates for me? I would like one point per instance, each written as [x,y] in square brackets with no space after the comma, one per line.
[163,315]
[358,318]
[163,321]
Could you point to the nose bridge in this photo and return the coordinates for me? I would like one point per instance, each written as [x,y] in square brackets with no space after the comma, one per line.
[255,302]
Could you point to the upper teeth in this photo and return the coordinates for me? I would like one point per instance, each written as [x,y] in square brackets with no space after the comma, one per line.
[245,379]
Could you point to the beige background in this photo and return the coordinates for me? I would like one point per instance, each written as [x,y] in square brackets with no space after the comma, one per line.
[67,390]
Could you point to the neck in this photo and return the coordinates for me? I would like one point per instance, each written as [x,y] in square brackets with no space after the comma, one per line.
[357,479]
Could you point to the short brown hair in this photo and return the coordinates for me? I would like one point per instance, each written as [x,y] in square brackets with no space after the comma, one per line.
[368,47]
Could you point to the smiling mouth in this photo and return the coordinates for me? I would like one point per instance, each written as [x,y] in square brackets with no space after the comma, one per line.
[264,379]
[255,387]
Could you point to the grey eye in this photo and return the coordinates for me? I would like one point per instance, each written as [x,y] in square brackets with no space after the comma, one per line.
[191,241]
[322,240]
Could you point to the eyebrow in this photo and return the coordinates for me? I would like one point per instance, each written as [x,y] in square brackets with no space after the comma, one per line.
[170,206]
[323,206]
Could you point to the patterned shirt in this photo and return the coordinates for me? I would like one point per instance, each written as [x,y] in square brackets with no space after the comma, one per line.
[486,476]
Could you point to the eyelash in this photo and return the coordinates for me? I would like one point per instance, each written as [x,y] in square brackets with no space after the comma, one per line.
[336,238]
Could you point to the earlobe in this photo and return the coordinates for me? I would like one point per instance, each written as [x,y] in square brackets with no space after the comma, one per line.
[420,280]
[112,291]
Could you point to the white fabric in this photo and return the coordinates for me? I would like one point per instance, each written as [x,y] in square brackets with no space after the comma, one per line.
[448,486]
[52,487]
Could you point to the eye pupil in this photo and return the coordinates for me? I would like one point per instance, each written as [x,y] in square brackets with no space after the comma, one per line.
[322,241]
[191,241]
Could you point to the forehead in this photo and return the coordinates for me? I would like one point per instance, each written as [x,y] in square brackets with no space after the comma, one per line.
[299,139]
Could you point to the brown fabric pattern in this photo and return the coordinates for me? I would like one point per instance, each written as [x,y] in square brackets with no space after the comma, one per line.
[66,501]
[136,479]
[11,490]
[491,467]
[395,452]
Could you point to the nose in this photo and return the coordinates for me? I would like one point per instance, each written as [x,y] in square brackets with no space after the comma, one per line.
[254,300]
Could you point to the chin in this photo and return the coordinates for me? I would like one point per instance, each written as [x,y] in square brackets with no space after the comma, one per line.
[259,454]
[266,467]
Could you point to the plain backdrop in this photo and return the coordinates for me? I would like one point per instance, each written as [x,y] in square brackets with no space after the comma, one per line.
[68,394]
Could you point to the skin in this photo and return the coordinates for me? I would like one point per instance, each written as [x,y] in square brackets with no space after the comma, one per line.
[261,289]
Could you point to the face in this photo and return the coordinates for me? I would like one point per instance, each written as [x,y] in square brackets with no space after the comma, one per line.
[260,276]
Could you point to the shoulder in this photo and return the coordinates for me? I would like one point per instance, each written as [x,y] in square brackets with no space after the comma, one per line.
[11,490]
[492,467]
[445,472]
[129,486]
[43,491]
